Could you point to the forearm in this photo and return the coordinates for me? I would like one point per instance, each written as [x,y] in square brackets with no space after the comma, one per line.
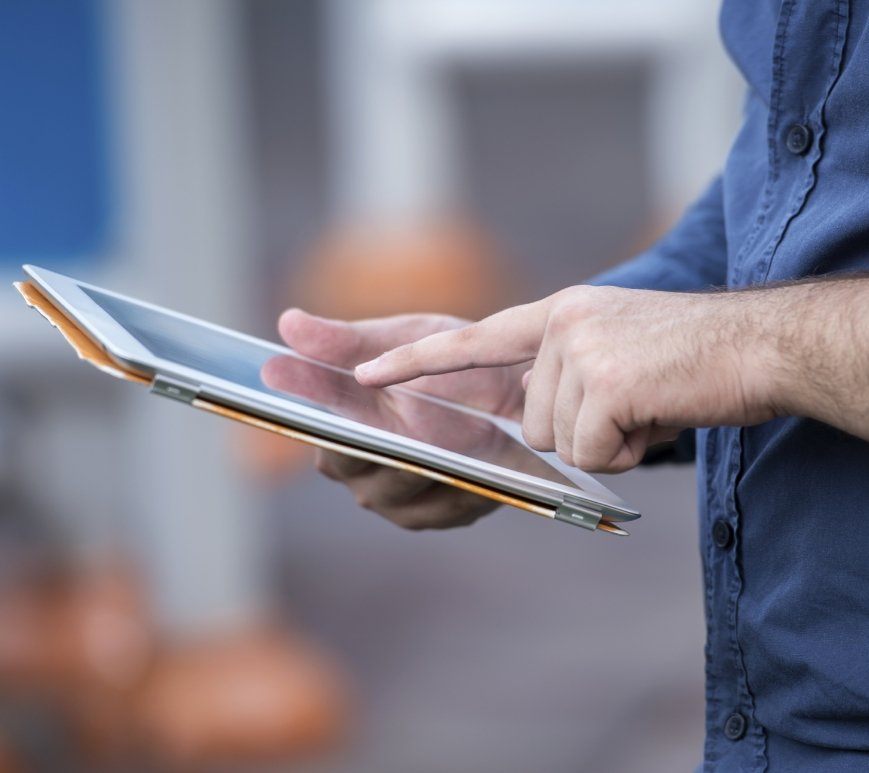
[815,336]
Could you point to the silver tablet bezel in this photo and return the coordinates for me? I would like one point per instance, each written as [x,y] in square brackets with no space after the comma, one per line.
[67,293]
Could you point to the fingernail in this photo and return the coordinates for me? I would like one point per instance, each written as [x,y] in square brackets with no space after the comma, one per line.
[366,368]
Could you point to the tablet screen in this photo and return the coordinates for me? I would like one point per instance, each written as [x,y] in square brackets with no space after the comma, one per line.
[283,373]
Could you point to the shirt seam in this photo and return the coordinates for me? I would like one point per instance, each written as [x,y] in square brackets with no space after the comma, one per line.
[744,687]
[801,197]
[778,60]
[713,703]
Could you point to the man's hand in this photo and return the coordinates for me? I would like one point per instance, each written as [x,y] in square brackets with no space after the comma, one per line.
[618,370]
[404,498]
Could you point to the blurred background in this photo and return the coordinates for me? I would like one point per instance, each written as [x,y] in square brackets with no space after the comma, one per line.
[177,593]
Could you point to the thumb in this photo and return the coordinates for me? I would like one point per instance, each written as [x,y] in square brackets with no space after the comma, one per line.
[346,344]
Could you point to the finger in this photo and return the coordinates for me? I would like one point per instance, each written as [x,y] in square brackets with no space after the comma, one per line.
[324,386]
[384,488]
[565,410]
[347,343]
[506,338]
[663,434]
[330,388]
[539,401]
[601,445]
[341,467]
[441,507]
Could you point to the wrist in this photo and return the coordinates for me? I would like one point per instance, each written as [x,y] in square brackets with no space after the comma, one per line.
[799,331]
[764,351]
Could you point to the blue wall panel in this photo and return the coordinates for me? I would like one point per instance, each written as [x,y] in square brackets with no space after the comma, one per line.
[55,198]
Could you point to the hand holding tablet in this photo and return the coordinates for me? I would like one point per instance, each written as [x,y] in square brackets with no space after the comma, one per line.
[404,498]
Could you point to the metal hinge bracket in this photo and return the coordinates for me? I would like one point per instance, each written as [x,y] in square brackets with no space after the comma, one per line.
[578,515]
[176,390]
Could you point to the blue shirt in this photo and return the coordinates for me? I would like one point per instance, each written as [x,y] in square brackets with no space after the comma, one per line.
[784,506]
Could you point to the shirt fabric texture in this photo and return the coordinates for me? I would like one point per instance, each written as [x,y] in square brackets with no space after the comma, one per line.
[784,519]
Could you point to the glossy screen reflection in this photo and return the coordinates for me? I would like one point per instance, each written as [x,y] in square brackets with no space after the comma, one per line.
[278,371]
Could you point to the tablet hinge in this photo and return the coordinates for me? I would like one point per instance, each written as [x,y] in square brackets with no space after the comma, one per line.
[578,515]
[177,390]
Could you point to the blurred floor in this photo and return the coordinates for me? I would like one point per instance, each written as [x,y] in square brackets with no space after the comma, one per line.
[514,645]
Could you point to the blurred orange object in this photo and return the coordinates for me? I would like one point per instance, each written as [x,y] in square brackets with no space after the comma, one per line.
[362,271]
[59,629]
[78,641]
[83,643]
[257,696]
[268,456]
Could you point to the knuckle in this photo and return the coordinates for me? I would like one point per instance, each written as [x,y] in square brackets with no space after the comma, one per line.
[582,455]
[566,295]
[463,339]
[565,455]
[365,500]
[578,348]
[617,466]
[563,433]
[585,456]
[571,306]
[324,464]
[605,375]
[405,520]
[537,438]
[579,304]
[408,355]
[339,466]
[564,448]
[465,333]
[452,322]
[583,460]
[563,317]
[453,510]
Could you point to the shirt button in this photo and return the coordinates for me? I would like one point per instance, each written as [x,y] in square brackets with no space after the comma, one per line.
[799,139]
[734,727]
[722,534]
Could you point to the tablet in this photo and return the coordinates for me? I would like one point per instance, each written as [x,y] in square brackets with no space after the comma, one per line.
[200,363]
